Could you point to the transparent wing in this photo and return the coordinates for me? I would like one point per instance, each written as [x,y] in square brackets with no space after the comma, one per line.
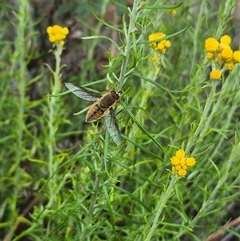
[82,93]
[112,127]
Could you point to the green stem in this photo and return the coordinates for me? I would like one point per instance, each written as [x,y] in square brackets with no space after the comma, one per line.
[22,17]
[129,45]
[160,206]
[54,110]
[202,124]
[19,65]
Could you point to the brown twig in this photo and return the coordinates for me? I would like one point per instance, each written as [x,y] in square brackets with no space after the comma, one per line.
[218,235]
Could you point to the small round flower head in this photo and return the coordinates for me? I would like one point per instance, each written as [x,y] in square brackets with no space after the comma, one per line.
[57,34]
[190,162]
[175,160]
[210,55]
[155,59]
[180,153]
[180,163]
[236,56]
[226,53]
[215,74]
[211,44]
[167,44]
[160,46]
[225,39]
[182,173]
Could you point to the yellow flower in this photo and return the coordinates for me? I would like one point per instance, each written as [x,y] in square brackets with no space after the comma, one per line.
[184,167]
[211,44]
[158,35]
[155,59]
[225,39]
[221,54]
[190,162]
[180,163]
[230,65]
[160,46]
[236,56]
[155,36]
[167,44]
[180,153]
[215,74]
[223,46]
[175,160]
[210,55]
[57,34]
[226,53]
[182,173]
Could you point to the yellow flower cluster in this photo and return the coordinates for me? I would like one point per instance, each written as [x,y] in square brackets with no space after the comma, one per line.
[221,53]
[57,34]
[160,45]
[215,74]
[180,163]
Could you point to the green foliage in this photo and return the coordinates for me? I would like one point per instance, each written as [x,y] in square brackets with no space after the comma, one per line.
[64,179]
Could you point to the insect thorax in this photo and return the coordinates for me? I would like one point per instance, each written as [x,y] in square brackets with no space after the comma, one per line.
[108,100]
